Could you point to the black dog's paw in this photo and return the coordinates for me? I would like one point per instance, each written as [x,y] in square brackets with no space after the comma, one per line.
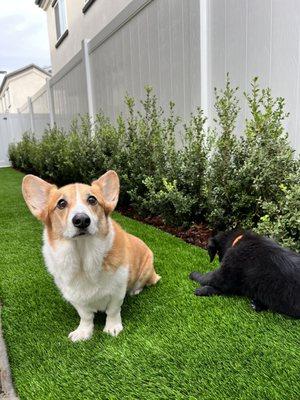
[258,306]
[195,276]
[206,291]
[199,292]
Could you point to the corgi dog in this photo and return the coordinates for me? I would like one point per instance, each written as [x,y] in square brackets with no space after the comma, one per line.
[93,261]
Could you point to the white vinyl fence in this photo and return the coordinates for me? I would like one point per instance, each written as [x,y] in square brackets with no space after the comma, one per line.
[11,128]
[183,49]
[153,43]
[249,38]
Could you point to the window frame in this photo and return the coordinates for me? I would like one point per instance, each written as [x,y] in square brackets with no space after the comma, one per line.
[61,22]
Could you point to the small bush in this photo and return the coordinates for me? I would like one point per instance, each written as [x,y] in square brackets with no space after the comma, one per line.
[281,220]
[225,160]
[178,193]
[173,205]
[148,148]
[269,158]
[51,161]
[23,155]
[246,172]
[67,157]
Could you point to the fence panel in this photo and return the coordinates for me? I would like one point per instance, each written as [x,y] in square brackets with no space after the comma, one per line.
[11,130]
[24,121]
[160,47]
[41,111]
[257,38]
[5,139]
[69,93]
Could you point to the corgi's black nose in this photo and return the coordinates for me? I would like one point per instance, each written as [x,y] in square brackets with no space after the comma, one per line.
[81,220]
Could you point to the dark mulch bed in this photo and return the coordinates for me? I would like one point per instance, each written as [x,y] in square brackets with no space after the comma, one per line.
[197,234]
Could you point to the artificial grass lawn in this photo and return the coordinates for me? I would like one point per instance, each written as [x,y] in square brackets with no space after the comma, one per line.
[174,345]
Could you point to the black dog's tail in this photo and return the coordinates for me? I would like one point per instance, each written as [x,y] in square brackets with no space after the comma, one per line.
[195,276]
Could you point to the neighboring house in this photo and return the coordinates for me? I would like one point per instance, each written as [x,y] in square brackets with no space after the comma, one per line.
[18,85]
[71,21]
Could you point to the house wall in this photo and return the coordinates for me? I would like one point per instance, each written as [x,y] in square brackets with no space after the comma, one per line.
[80,26]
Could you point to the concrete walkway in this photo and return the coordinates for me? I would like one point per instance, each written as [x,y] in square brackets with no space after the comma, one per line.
[7,391]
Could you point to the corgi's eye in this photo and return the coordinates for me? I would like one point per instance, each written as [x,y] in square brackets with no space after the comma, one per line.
[92,200]
[62,203]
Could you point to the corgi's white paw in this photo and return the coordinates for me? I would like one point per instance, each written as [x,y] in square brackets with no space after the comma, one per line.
[81,334]
[113,328]
[134,292]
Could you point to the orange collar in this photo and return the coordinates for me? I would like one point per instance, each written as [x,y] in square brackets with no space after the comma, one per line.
[236,240]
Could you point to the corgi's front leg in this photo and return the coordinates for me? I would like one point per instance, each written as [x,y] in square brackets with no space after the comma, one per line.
[113,325]
[85,327]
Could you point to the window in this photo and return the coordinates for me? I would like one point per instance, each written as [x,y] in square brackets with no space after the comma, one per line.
[60,18]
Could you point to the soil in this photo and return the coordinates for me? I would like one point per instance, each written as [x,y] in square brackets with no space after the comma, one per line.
[197,234]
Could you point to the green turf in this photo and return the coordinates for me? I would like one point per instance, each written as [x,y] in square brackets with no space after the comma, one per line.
[174,345]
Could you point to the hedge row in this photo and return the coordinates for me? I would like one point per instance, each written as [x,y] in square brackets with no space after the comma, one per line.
[185,173]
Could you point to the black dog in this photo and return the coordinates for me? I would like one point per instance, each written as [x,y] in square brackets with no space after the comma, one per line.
[256,267]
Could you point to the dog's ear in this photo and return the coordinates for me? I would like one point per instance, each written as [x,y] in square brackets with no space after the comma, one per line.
[212,249]
[109,185]
[36,195]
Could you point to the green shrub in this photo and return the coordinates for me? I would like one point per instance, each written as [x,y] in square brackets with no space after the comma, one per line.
[173,205]
[177,194]
[51,162]
[110,152]
[282,218]
[67,157]
[269,158]
[148,150]
[193,164]
[158,178]
[13,152]
[224,162]
[23,155]
[183,173]
[246,172]
[108,143]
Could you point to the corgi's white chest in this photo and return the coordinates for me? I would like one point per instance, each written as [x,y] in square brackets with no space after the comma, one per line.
[77,270]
